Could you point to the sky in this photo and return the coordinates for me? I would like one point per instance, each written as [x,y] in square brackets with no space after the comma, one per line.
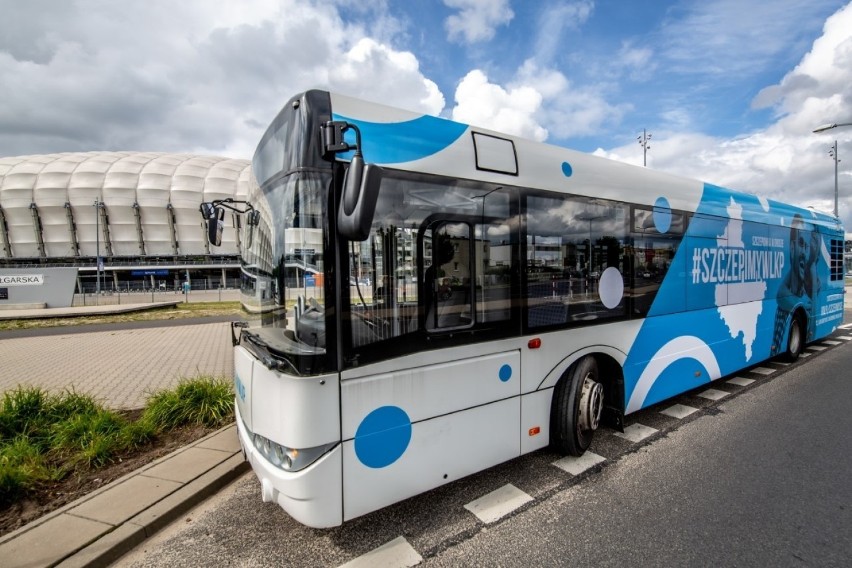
[730,91]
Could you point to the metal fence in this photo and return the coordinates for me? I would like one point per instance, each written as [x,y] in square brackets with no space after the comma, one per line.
[114,297]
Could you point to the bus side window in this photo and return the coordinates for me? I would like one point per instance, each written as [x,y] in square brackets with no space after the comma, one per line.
[571,243]
[447,280]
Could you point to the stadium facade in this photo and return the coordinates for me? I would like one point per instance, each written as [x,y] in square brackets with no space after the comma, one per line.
[136,211]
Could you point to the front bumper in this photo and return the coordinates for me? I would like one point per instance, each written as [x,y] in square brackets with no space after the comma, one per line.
[312,496]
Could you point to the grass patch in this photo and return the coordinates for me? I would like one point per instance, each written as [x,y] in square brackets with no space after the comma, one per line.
[203,401]
[180,311]
[44,438]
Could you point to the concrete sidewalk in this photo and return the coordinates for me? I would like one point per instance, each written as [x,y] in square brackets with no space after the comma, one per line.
[120,369]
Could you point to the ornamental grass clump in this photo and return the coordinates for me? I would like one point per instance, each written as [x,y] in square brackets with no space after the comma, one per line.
[202,401]
[45,438]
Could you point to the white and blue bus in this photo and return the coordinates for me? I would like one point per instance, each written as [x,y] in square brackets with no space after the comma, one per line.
[430,299]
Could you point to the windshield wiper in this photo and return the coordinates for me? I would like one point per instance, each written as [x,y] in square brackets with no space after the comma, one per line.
[272,358]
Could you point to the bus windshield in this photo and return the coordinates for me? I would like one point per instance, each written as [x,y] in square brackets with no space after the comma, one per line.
[283,270]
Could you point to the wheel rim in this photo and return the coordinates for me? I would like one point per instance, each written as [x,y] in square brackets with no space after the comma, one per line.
[591,404]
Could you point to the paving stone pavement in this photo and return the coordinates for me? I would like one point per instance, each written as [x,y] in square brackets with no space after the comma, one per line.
[119,368]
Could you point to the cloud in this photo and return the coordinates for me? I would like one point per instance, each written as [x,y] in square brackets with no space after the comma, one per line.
[476,20]
[537,103]
[637,62]
[786,160]
[819,88]
[717,37]
[191,76]
[487,105]
[553,20]
[369,64]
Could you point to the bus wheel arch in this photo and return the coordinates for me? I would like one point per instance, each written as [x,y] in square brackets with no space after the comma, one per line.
[582,398]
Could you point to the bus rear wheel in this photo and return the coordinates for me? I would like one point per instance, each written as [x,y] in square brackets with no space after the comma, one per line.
[795,339]
[577,407]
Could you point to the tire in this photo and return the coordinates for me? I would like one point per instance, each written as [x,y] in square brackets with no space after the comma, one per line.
[795,339]
[577,408]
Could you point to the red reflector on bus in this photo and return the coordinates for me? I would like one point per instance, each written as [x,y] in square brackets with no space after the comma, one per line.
[535,431]
[534,343]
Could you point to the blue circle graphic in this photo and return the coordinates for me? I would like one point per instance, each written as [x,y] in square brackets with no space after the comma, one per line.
[383,436]
[566,169]
[662,215]
[505,373]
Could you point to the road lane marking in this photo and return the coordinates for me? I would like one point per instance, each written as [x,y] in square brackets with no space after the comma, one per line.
[831,342]
[679,411]
[577,465]
[763,370]
[844,337]
[636,432]
[499,503]
[713,394]
[740,381]
[817,347]
[396,553]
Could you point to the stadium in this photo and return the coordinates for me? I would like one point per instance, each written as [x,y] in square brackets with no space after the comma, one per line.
[136,211]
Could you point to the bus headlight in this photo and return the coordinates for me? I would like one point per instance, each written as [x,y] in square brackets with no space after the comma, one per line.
[289,459]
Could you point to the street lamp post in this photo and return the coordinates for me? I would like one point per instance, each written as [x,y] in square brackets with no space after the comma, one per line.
[644,142]
[97,247]
[833,154]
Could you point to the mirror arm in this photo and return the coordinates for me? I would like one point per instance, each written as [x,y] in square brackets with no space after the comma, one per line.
[227,204]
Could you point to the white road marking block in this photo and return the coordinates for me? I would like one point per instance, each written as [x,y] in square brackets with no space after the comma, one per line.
[498,503]
[763,370]
[395,554]
[712,394]
[679,411]
[636,432]
[740,381]
[844,337]
[817,347]
[805,354]
[831,342]
[577,465]
[845,326]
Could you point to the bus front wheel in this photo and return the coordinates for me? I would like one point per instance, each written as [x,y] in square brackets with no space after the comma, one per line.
[577,406]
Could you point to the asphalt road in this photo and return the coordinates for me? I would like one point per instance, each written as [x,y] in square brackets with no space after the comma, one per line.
[765,482]
[759,478]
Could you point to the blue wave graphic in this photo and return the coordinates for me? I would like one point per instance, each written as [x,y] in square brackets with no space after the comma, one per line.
[397,142]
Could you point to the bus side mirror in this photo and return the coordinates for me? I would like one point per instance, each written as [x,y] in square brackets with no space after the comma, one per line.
[358,204]
[214,216]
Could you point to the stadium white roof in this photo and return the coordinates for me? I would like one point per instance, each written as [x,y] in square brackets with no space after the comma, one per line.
[149,204]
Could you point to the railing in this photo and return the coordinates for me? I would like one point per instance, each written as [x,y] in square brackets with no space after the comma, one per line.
[119,297]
